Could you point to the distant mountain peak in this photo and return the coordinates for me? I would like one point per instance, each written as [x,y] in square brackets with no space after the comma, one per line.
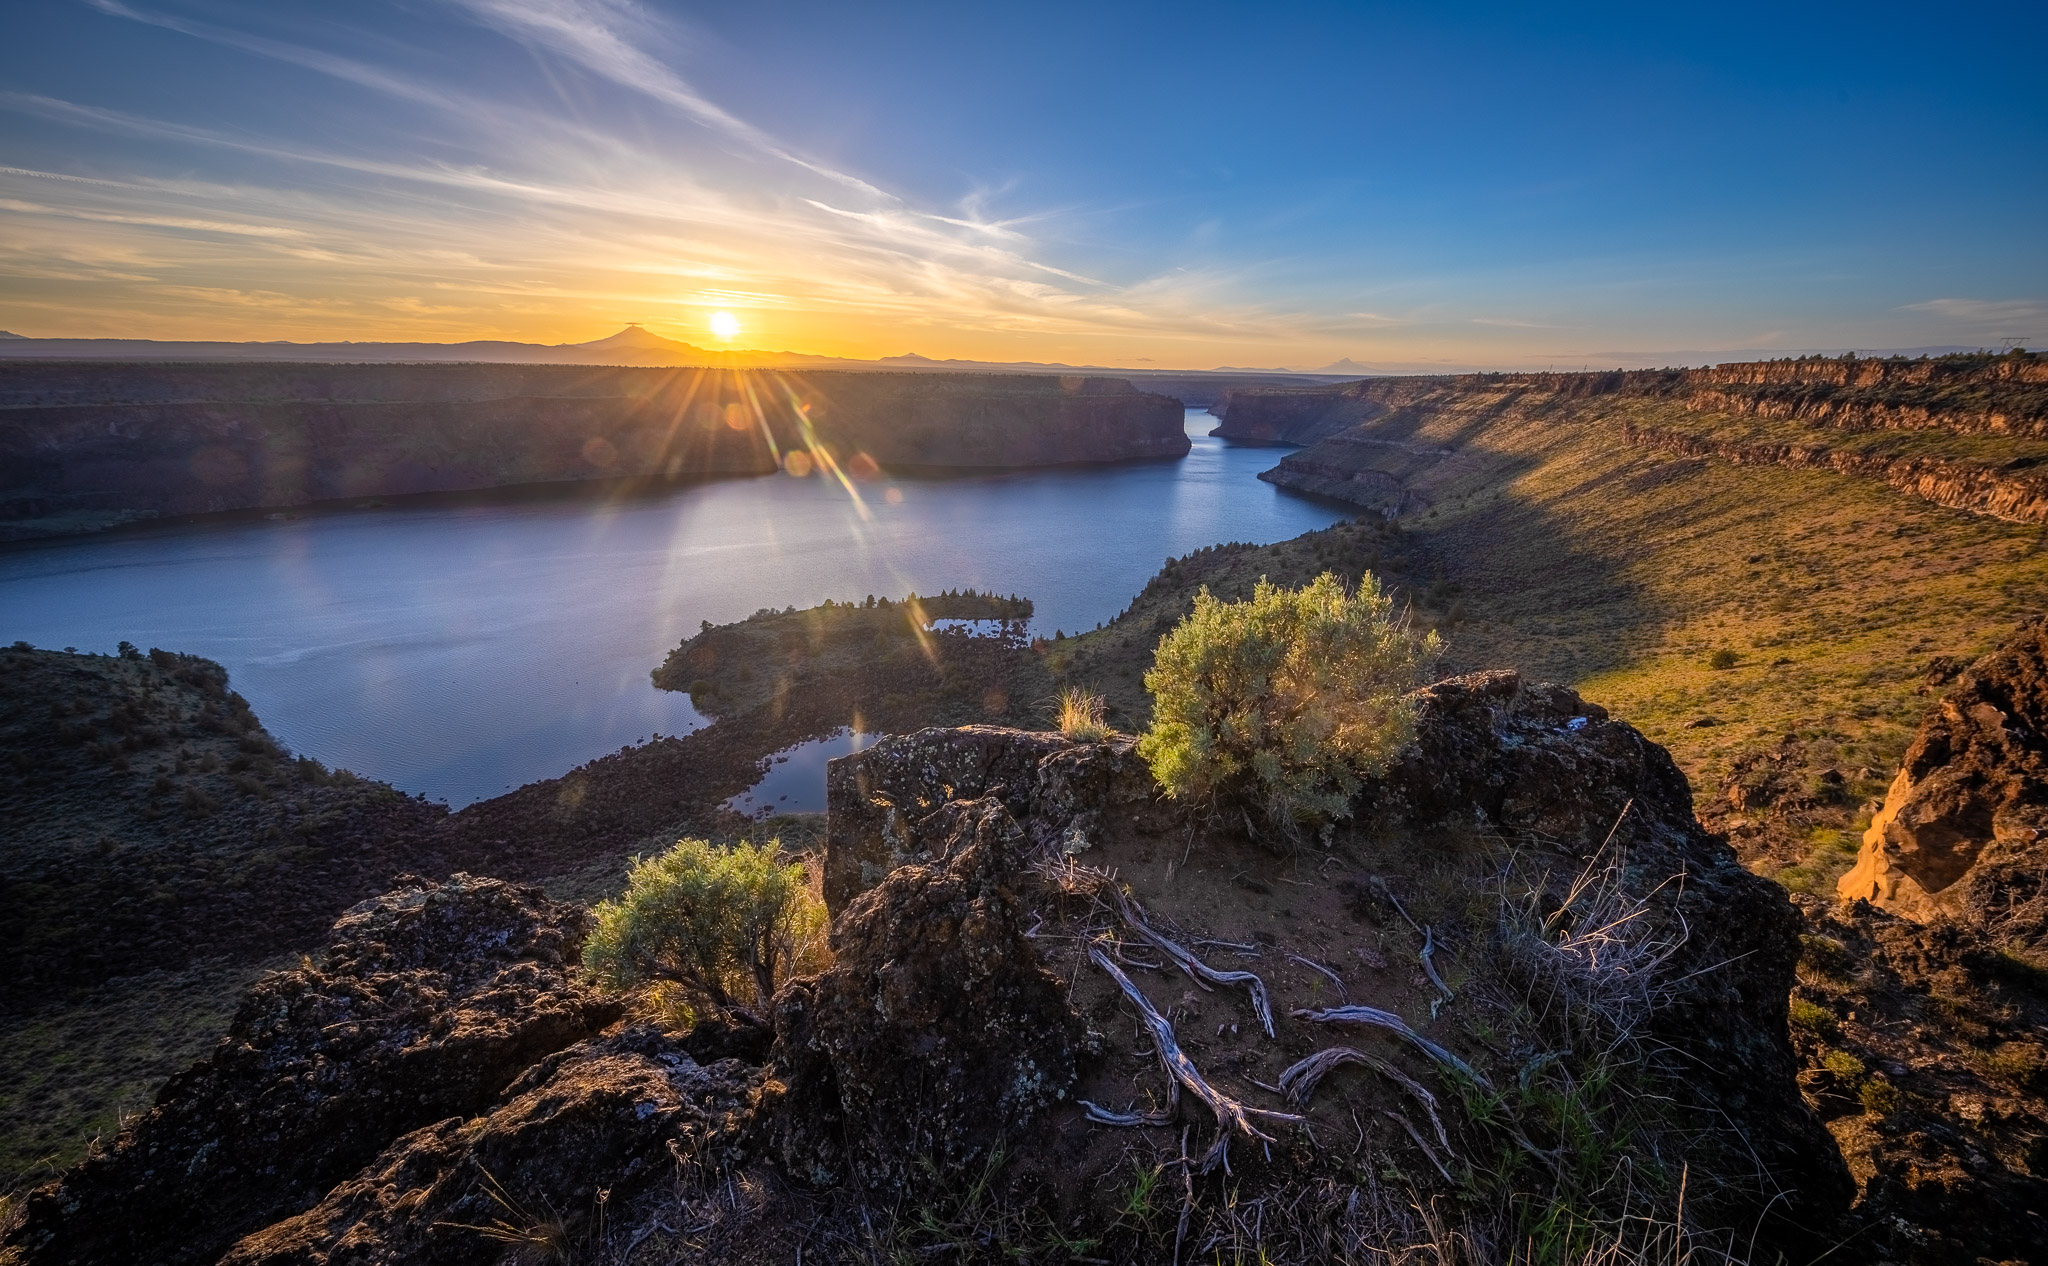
[1344,366]
[636,335]
[11,334]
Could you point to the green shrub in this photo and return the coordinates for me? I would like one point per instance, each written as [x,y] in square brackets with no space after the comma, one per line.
[713,921]
[1723,659]
[1285,700]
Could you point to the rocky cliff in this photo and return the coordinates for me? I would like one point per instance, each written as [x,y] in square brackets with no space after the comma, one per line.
[2016,490]
[1960,431]
[84,446]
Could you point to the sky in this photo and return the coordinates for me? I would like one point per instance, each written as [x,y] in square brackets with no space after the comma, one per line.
[1169,186]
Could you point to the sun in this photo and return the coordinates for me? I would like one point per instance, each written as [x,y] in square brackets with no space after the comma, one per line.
[725,325]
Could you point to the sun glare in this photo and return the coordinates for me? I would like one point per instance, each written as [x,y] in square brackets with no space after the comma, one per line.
[725,325]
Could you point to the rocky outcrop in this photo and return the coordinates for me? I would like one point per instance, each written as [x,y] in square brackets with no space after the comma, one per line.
[879,799]
[146,441]
[1924,1055]
[1495,758]
[1964,828]
[937,1033]
[586,1129]
[2017,491]
[431,1000]
[1536,762]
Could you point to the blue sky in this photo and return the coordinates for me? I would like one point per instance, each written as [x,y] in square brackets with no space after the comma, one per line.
[1184,185]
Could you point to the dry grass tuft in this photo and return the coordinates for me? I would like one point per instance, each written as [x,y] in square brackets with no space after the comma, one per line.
[1083,715]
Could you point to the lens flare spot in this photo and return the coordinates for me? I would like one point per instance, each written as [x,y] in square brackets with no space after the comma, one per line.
[863,467]
[725,325]
[600,452]
[736,416]
[797,462]
[893,496]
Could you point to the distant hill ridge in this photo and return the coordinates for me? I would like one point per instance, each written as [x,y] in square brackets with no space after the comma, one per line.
[635,345]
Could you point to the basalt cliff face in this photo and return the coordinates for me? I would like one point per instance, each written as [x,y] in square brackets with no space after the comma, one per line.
[1935,429]
[1520,971]
[84,445]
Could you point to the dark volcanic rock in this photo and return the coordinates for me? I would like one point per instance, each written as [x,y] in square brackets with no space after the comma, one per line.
[1964,828]
[434,998]
[1539,763]
[1942,1108]
[592,1125]
[937,1033]
[1061,789]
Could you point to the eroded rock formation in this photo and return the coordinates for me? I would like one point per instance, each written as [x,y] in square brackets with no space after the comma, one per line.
[1964,828]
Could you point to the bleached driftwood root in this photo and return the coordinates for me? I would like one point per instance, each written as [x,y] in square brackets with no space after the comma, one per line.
[1299,1082]
[1197,970]
[1232,1117]
[1396,1025]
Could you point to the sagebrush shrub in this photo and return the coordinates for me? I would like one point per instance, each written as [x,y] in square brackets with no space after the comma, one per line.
[1287,699]
[713,920]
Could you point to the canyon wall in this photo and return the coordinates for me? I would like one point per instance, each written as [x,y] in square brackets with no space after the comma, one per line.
[85,446]
[1361,436]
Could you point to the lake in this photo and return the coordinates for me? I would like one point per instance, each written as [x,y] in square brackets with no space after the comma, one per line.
[461,650]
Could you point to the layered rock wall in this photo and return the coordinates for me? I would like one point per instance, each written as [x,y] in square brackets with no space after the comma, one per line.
[82,446]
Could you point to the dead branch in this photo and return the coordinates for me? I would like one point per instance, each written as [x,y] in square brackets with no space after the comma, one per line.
[1396,1025]
[1413,1133]
[1343,994]
[1197,970]
[1300,1081]
[1429,964]
[1231,1115]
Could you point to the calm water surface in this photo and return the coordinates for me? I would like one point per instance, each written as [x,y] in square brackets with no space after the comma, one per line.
[460,651]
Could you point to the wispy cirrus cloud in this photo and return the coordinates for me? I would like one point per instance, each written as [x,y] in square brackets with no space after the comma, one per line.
[1984,311]
[610,38]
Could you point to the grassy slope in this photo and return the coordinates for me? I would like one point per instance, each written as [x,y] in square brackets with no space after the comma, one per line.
[1554,548]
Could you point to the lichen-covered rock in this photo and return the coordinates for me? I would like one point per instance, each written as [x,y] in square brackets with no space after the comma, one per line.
[606,1116]
[936,1033]
[875,797]
[433,998]
[1964,828]
[1061,788]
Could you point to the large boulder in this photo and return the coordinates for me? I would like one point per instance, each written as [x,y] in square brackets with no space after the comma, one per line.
[1535,763]
[582,1131]
[431,1000]
[1964,828]
[937,1033]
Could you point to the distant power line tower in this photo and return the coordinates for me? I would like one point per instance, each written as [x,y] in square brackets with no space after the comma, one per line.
[2013,344]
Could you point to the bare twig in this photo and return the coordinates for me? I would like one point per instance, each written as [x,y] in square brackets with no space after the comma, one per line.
[1343,994]
[1231,1115]
[1409,1126]
[1197,970]
[1429,964]
[1300,1081]
[1396,1025]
